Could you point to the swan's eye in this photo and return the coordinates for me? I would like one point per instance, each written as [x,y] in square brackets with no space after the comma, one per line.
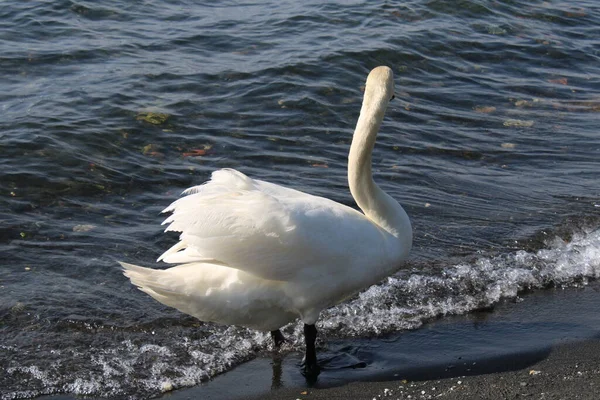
[393,97]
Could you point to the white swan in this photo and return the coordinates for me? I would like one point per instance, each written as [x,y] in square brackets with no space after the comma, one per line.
[260,255]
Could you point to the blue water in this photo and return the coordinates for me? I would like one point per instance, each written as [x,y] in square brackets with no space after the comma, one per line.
[109,110]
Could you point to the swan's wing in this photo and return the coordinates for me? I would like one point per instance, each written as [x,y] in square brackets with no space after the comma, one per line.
[267,230]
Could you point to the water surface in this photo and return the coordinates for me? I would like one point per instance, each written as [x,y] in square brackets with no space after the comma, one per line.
[110,110]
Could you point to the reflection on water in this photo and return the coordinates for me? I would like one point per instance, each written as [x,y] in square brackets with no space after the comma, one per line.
[276,363]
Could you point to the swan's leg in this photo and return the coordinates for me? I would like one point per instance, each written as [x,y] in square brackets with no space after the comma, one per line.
[278,338]
[310,360]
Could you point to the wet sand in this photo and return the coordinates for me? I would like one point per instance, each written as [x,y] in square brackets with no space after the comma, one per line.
[569,371]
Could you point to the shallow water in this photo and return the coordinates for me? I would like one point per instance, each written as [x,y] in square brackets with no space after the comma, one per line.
[110,111]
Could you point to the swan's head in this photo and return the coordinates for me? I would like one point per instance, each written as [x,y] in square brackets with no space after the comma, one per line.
[380,85]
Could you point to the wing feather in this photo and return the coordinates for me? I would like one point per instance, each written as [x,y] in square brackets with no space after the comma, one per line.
[265,229]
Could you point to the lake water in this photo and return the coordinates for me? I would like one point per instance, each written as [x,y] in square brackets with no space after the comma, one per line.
[110,110]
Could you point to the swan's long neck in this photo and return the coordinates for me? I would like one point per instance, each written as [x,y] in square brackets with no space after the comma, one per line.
[377,205]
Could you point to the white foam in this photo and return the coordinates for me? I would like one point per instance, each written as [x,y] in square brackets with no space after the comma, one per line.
[404,303]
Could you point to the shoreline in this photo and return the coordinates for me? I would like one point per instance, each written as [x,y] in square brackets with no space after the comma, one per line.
[568,371]
[545,347]
[494,355]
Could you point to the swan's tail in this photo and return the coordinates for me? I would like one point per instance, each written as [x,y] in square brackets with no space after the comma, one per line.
[150,281]
[216,293]
[200,289]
